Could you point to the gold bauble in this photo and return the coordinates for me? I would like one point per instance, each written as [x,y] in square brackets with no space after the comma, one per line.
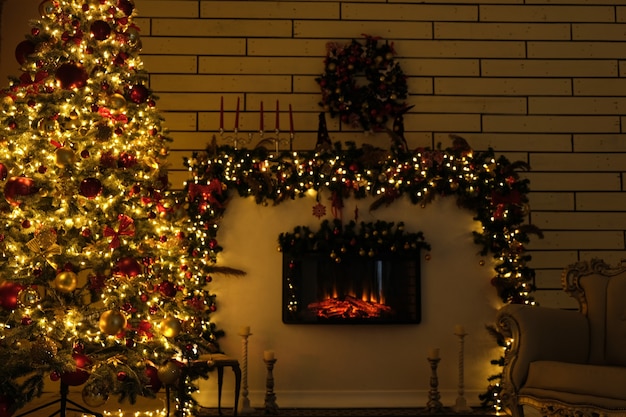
[7,103]
[28,297]
[66,281]
[48,126]
[112,322]
[46,8]
[169,373]
[64,157]
[95,394]
[171,327]
[117,101]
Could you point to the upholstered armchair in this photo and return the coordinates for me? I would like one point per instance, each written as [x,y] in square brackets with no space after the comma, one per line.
[565,362]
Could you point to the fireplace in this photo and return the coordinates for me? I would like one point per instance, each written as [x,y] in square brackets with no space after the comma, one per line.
[318,289]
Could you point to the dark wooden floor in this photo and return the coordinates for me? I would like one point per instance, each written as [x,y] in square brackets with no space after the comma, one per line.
[350,412]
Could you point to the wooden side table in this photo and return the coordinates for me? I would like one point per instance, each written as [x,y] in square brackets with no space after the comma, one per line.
[218,361]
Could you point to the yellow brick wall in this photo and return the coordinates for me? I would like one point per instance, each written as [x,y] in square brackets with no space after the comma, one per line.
[543,81]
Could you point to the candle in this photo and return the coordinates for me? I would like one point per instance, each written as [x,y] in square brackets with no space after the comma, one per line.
[261,118]
[268,355]
[222,113]
[434,353]
[245,331]
[290,120]
[237,115]
[458,329]
[277,117]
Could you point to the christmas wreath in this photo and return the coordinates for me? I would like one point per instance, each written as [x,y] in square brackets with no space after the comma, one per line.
[368,105]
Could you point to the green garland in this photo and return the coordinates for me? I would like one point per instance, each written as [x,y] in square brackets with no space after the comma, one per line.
[489,186]
[369,105]
[372,239]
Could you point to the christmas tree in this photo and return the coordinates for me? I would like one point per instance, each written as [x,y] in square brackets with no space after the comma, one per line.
[103,275]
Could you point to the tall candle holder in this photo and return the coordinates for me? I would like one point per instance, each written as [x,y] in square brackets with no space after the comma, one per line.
[275,140]
[235,139]
[461,404]
[271,407]
[244,405]
[434,405]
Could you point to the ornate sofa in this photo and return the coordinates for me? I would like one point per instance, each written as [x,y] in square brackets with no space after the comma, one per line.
[565,362]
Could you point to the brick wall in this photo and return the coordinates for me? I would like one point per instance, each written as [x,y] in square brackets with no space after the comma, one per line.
[542,81]
[538,80]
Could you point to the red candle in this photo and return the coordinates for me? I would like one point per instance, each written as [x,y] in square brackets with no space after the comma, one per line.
[290,120]
[261,118]
[222,113]
[237,115]
[277,116]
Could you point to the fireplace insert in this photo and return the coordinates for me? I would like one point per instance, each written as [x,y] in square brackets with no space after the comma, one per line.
[318,289]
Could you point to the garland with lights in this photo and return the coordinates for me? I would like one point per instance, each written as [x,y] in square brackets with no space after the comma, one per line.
[372,104]
[488,186]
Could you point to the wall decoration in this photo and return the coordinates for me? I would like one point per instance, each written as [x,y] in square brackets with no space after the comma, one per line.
[368,103]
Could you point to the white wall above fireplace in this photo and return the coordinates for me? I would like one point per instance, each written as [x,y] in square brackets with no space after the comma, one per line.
[355,365]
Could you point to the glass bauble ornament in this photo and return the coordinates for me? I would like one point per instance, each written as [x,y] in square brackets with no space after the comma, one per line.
[80,375]
[17,187]
[48,126]
[117,101]
[46,8]
[28,297]
[90,187]
[64,157]
[100,30]
[71,75]
[171,327]
[169,373]
[139,93]
[66,281]
[154,383]
[112,322]
[129,267]
[23,50]
[95,394]
[8,295]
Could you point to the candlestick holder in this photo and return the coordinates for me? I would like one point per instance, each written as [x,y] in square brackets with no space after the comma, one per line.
[276,141]
[434,405]
[244,405]
[235,139]
[271,407]
[461,404]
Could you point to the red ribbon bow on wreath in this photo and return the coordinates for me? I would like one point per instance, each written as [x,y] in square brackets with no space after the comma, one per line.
[126,228]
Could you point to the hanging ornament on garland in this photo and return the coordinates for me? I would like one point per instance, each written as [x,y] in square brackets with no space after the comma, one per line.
[66,281]
[368,106]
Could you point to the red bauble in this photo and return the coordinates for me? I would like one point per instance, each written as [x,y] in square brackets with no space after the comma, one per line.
[139,93]
[154,383]
[3,172]
[129,267]
[71,75]
[23,50]
[90,187]
[167,288]
[80,375]
[6,406]
[100,30]
[9,292]
[17,187]
[125,6]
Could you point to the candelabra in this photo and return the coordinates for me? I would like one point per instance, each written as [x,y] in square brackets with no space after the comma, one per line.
[461,405]
[434,405]
[244,406]
[235,139]
[270,398]
[241,140]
